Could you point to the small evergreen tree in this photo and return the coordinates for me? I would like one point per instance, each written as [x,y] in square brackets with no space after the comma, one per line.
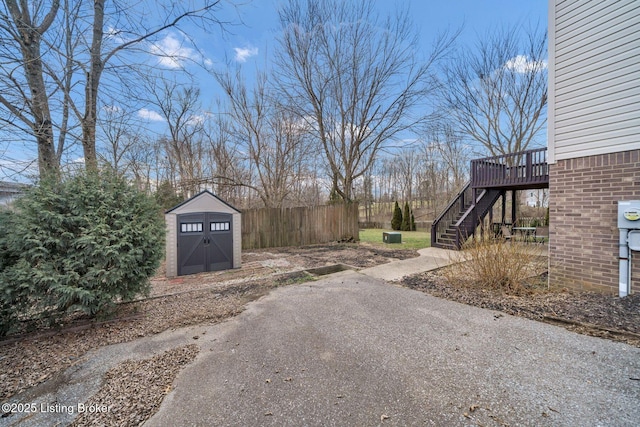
[80,244]
[413,222]
[166,196]
[396,220]
[406,218]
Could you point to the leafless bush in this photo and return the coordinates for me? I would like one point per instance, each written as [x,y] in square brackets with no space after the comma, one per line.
[498,264]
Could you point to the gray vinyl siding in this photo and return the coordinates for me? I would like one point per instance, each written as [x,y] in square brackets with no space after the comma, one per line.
[594,78]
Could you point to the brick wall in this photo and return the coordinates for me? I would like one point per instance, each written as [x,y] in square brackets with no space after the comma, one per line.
[583,196]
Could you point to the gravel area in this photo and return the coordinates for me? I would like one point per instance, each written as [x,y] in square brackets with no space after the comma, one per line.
[28,362]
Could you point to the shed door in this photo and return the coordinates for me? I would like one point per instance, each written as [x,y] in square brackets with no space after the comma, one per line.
[219,242]
[205,242]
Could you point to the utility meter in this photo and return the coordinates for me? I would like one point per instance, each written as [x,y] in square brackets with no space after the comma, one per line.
[629,214]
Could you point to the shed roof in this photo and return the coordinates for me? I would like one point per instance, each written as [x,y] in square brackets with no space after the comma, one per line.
[203,194]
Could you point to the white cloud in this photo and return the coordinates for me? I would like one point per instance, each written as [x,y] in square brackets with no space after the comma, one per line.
[244,53]
[196,119]
[172,53]
[111,108]
[522,64]
[115,34]
[150,115]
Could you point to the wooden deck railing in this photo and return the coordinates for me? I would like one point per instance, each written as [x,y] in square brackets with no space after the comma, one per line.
[526,169]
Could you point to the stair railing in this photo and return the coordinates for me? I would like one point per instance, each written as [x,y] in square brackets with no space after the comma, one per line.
[456,206]
[474,215]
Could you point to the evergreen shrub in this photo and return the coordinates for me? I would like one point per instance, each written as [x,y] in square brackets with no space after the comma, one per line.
[396,220]
[406,218]
[81,244]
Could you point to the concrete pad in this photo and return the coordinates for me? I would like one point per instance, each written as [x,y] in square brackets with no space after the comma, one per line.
[429,259]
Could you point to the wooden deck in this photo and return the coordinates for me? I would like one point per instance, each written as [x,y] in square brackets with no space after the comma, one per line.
[517,171]
[491,178]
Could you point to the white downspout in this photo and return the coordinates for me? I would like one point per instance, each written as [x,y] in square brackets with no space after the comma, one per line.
[625,265]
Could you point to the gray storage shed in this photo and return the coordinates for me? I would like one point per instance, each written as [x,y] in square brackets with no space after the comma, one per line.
[203,234]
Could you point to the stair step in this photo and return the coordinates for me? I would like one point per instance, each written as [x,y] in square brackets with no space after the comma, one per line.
[487,199]
[446,246]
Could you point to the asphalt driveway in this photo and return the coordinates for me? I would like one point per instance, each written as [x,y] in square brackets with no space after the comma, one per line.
[354,350]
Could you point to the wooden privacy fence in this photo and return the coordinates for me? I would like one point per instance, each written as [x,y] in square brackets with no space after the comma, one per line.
[277,227]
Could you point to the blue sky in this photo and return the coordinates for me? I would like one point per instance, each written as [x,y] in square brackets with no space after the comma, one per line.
[475,16]
[249,43]
[252,42]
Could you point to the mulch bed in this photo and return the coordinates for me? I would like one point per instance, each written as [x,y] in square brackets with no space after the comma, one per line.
[588,313]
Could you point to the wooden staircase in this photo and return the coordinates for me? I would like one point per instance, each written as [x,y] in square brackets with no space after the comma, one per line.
[462,216]
[491,177]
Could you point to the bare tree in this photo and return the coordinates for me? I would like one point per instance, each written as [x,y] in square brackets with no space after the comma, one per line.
[100,55]
[407,162]
[81,41]
[227,163]
[120,136]
[354,77]
[497,92]
[454,154]
[272,137]
[144,160]
[24,95]
[185,144]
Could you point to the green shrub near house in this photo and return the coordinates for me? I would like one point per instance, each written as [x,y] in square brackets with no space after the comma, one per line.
[78,245]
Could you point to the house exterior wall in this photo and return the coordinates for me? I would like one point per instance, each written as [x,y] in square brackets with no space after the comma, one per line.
[593,137]
[10,191]
[583,212]
[594,86]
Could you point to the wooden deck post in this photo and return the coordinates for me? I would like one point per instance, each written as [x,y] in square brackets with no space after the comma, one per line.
[513,207]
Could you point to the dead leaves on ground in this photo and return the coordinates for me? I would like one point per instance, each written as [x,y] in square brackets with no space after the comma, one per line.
[134,389]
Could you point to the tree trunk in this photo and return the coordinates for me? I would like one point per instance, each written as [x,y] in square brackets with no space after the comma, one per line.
[48,165]
[91,89]
[29,39]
